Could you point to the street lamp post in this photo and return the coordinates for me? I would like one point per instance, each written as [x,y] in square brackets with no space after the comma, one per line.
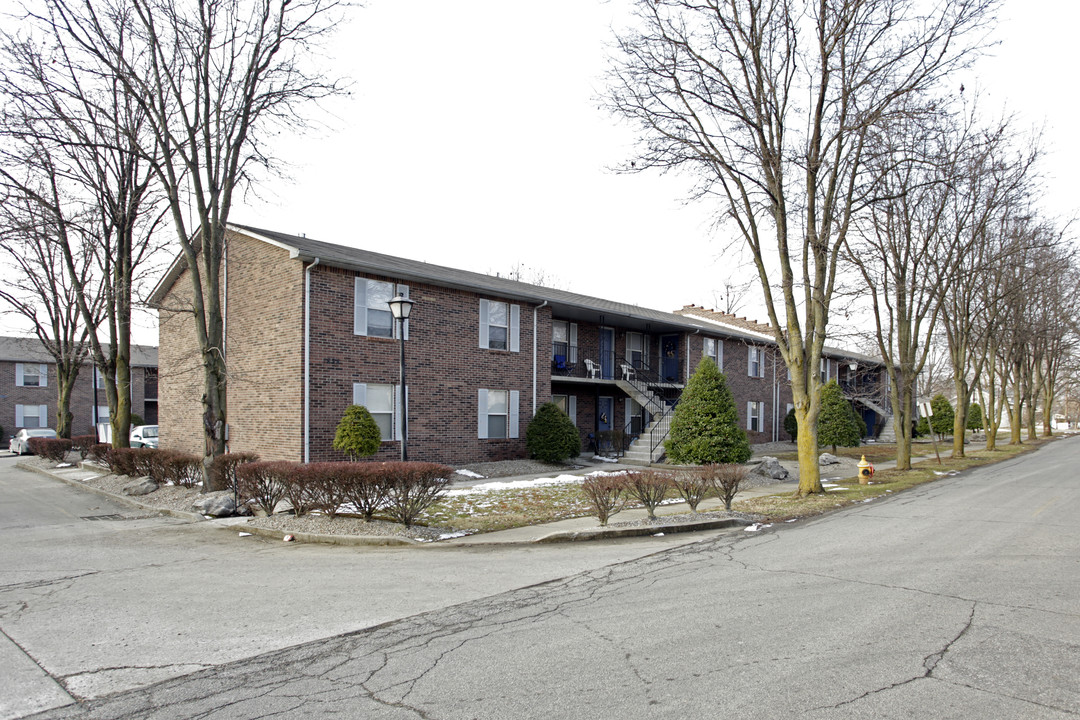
[400,307]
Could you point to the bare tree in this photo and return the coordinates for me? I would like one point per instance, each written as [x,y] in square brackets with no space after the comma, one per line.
[76,135]
[41,292]
[214,82]
[769,104]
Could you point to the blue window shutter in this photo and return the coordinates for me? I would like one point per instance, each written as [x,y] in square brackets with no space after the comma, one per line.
[573,344]
[18,416]
[515,329]
[481,414]
[484,325]
[43,373]
[359,394]
[19,383]
[360,306]
[43,416]
[571,405]
[515,399]
[399,409]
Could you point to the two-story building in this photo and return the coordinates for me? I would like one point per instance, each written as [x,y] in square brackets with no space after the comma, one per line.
[28,374]
[309,332]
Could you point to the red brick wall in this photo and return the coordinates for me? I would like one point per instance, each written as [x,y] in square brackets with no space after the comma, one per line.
[445,368]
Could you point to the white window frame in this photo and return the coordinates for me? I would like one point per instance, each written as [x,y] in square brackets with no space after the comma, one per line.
[103,415]
[718,351]
[756,355]
[568,405]
[513,329]
[512,412]
[642,349]
[42,374]
[41,413]
[571,340]
[360,306]
[824,368]
[755,414]
[360,391]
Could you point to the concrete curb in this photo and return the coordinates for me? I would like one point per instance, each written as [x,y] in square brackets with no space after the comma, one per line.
[608,533]
[347,540]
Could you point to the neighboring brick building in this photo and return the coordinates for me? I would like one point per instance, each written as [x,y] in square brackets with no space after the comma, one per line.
[308,333]
[28,376]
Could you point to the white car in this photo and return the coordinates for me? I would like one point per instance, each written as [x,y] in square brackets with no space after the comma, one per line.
[20,441]
[144,436]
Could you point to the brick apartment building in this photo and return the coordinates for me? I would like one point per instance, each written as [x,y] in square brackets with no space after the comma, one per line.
[29,398]
[308,332]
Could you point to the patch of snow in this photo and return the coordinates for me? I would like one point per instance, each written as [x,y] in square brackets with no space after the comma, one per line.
[659,535]
[244,534]
[65,465]
[469,474]
[514,485]
[606,473]
[451,536]
[601,458]
[757,526]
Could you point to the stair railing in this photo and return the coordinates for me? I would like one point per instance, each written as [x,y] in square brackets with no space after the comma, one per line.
[661,395]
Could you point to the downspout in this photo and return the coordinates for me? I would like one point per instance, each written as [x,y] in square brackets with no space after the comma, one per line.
[536,360]
[775,402]
[307,360]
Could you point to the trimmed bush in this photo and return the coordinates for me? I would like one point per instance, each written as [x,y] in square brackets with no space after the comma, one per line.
[169,467]
[264,483]
[121,461]
[357,434]
[327,483]
[412,487]
[705,426]
[692,486]
[365,487]
[145,461]
[975,418]
[649,488]
[225,466]
[606,494]
[52,449]
[551,436]
[725,479]
[943,416]
[838,423]
[99,452]
[83,443]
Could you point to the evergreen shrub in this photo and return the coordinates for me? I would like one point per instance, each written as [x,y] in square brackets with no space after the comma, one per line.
[551,436]
[705,426]
[357,434]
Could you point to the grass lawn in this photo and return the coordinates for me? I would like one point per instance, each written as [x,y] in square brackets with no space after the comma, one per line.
[517,507]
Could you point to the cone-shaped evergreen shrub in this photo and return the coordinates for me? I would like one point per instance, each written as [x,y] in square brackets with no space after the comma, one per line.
[942,420]
[357,434]
[705,427]
[551,436]
[837,422]
[974,417]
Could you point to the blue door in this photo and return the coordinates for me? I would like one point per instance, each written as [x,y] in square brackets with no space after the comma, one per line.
[607,353]
[669,357]
[605,413]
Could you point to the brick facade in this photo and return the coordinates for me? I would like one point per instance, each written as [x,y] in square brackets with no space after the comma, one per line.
[82,400]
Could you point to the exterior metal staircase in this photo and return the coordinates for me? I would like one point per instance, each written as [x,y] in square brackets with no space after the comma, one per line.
[648,447]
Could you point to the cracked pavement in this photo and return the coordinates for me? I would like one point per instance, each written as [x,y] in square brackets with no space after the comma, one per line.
[958,599]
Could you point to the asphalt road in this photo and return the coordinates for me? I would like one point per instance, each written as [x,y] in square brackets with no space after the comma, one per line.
[955,600]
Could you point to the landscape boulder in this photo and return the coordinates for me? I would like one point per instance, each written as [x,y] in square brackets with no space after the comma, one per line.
[770,467]
[828,459]
[219,504]
[142,486]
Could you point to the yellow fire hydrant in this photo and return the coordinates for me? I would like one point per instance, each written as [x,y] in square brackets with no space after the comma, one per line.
[866,471]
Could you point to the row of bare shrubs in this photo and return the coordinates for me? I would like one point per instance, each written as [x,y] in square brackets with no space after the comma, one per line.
[608,494]
[400,491]
[52,449]
[165,467]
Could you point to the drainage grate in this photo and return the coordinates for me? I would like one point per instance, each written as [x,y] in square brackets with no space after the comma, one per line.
[103,517]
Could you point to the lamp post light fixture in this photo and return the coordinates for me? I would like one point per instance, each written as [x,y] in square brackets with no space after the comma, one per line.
[400,307]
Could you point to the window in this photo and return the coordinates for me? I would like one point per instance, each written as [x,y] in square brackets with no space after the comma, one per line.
[824,370]
[382,402]
[564,341]
[31,416]
[568,404]
[371,313]
[99,378]
[755,363]
[497,414]
[637,350]
[714,350]
[499,325]
[103,415]
[31,375]
[755,412]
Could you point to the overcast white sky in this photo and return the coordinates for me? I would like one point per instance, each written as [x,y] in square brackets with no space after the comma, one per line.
[473,139]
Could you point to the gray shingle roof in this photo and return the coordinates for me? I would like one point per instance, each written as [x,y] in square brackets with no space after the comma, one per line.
[30,349]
